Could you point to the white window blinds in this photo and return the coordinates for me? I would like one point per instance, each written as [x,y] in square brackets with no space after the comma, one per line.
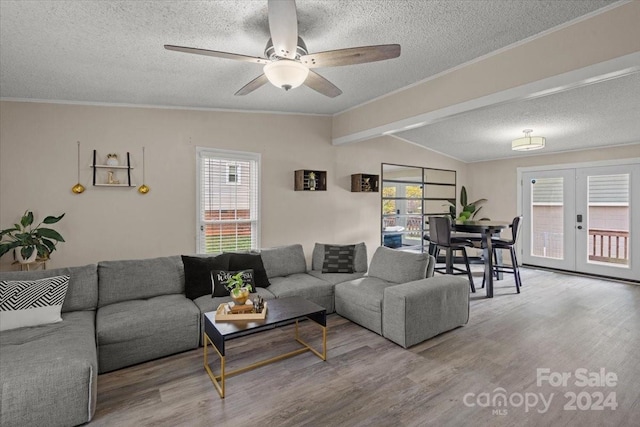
[228,200]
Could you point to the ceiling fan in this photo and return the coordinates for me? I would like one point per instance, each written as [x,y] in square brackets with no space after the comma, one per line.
[287,63]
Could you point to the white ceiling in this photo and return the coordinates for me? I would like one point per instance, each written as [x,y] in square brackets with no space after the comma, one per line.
[112,52]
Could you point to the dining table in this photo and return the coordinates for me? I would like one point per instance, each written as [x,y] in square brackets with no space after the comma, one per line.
[486,229]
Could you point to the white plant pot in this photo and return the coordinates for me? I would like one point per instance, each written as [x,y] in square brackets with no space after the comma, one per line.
[113,161]
[21,260]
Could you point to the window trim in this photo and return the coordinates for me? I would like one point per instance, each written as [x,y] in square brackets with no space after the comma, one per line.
[202,152]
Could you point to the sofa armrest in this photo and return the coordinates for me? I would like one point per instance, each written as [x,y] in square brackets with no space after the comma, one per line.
[416,311]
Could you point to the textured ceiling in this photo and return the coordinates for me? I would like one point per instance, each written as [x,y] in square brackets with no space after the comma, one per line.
[605,113]
[112,52]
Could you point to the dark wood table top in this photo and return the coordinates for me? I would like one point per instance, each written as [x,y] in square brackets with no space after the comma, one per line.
[278,311]
[472,226]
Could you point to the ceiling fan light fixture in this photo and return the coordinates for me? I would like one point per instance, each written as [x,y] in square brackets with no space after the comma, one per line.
[286,74]
[528,142]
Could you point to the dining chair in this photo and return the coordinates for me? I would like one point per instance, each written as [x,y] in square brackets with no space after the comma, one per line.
[508,244]
[440,237]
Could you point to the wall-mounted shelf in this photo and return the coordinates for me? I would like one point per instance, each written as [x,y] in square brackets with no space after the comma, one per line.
[310,180]
[112,172]
[365,183]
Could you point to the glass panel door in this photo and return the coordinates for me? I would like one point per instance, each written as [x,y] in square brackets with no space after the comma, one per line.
[585,219]
[548,228]
[606,240]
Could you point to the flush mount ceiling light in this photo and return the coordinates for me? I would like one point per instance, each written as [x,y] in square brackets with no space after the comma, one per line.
[286,74]
[528,142]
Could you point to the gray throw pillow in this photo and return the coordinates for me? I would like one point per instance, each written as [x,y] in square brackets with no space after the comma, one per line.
[338,259]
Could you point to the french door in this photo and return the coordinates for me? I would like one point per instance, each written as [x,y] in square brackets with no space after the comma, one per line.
[583,219]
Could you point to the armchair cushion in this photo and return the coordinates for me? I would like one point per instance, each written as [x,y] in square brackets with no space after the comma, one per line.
[398,266]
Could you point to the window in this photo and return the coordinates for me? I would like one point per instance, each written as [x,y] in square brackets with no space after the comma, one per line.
[228,200]
[233,173]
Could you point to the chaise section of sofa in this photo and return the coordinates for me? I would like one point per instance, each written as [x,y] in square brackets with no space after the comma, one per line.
[49,372]
[143,313]
[399,299]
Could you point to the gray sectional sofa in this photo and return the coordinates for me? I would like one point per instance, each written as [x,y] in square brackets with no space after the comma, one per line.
[120,313]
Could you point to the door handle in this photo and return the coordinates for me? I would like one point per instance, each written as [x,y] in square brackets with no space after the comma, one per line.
[579,227]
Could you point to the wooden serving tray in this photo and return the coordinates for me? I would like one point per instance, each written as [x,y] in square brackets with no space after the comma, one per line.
[221,315]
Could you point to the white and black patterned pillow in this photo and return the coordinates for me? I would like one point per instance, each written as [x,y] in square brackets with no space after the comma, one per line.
[31,302]
[338,259]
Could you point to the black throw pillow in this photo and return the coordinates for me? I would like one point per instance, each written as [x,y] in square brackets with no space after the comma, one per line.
[250,261]
[197,273]
[220,280]
[338,259]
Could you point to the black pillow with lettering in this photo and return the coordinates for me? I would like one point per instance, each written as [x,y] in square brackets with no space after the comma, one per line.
[220,281]
[197,273]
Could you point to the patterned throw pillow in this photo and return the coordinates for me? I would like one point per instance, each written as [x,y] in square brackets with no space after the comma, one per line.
[338,259]
[31,302]
[220,280]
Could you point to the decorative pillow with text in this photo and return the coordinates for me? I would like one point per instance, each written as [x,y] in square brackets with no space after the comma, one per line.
[220,280]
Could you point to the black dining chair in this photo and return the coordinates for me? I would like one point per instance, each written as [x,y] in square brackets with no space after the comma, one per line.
[440,238]
[498,243]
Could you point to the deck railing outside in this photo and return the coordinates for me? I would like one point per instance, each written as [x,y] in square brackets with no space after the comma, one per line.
[609,246]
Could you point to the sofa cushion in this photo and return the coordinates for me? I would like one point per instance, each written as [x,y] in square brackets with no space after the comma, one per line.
[361,301]
[305,286]
[359,257]
[31,302]
[137,279]
[398,266]
[338,259]
[248,261]
[82,292]
[135,331]
[284,260]
[335,278]
[197,273]
[49,373]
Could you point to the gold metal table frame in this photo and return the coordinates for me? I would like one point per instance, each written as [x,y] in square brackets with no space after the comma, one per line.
[219,380]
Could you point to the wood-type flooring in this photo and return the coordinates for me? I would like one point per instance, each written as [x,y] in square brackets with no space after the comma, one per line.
[560,324]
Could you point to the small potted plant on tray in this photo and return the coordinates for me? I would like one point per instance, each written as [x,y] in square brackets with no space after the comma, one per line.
[238,290]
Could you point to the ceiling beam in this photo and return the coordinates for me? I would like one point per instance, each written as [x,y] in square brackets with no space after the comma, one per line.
[591,49]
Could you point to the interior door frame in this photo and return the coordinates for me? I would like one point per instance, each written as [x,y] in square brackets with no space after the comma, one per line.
[521,170]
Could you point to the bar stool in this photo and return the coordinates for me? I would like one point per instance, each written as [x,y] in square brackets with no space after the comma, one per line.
[509,245]
[440,237]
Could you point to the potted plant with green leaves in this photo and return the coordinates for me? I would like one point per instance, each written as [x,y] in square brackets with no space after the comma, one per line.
[238,290]
[469,210]
[29,242]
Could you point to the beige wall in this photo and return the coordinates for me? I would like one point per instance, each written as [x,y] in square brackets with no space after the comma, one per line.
[38,169]
[497,180]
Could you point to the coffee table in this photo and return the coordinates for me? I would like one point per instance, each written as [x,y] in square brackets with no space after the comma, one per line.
[280,312]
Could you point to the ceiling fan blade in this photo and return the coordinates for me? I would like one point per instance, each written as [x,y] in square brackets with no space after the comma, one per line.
[253,85]
[318,83]
[283,25]
[350,56]
[217,54]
